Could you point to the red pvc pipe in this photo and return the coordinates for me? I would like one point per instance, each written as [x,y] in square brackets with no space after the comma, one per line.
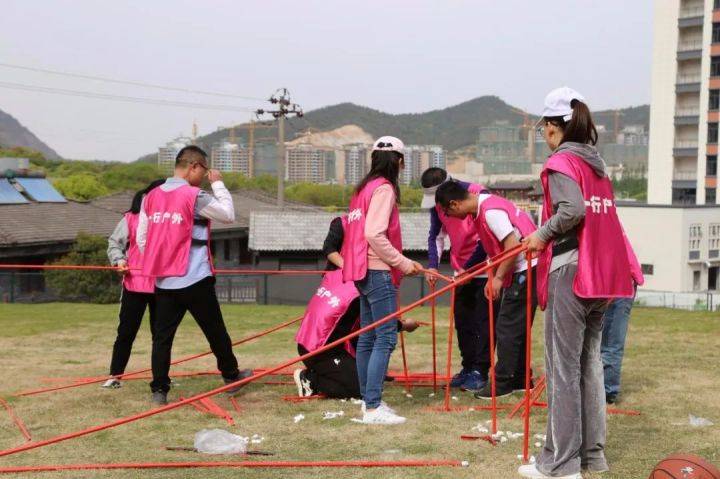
[537,390]
[230,464]
[69,267]
[271,272]
[235,404]
[528,356]
[408,384]
[118,422]
[434,338]
[18,422]
[141,371]
[491,322]
[451,324]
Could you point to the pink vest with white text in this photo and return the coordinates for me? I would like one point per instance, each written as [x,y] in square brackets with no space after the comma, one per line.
[607,264]
[518,218]
[329,303]
[169,234]
[462,234]
[134,280]
[355,246]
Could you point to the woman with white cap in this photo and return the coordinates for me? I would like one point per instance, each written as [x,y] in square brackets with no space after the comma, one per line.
[372,257]
[585,260]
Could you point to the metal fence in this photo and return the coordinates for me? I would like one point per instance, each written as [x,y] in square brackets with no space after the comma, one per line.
[701,301]
[31,287]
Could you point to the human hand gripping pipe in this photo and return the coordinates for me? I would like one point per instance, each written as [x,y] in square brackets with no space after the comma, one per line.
[478,269]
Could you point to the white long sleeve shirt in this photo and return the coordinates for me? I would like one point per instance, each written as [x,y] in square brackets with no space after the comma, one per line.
[218,207]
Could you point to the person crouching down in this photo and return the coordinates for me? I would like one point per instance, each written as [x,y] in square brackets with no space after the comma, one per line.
[333,312]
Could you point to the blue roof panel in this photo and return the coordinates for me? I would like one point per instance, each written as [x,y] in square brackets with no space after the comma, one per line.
[40,190]
[9,195]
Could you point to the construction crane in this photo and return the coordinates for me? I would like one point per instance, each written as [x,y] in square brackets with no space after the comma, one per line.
[250,127]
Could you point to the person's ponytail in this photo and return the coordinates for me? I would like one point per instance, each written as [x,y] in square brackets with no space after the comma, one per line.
[580,128]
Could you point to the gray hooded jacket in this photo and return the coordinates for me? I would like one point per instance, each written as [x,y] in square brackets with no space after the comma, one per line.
[567,201]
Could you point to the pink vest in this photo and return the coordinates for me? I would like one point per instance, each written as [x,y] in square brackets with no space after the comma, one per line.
[462,234]
[169,234]
[518,218]
[606,263]
[355,246]
[324,311]
[133,280]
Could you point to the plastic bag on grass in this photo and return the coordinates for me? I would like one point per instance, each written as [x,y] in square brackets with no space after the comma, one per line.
[696,421]
[219,441]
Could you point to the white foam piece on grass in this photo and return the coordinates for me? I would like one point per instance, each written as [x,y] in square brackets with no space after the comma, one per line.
[332,414]
[503,439]
[542,437]
[431,395]
[696,421]
[356,401]
[454,398]
[408,395]
[298,418]
[538,444]
[465,463]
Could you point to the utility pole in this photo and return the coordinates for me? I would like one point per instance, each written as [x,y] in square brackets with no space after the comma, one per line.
[285,107]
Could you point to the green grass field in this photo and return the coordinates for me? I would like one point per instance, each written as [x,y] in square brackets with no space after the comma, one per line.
[671,370]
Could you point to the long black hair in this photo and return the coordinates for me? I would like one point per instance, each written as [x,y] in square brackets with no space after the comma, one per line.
[137,199]
[384,164]
[580,128]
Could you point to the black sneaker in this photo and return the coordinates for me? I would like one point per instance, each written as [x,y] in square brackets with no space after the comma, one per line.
[611,398]
[159,398]
[244,373]
[519,386]
[502,389]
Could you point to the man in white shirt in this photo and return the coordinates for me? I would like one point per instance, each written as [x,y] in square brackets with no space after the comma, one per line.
[500,226]
[195,290]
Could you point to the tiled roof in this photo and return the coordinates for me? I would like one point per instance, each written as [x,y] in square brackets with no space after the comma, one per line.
[43,223]
[306,231]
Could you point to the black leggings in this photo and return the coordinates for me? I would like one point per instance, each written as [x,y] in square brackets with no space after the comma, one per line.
[132,310]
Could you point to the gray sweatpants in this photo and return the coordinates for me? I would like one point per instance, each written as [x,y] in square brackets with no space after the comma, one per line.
[574,374]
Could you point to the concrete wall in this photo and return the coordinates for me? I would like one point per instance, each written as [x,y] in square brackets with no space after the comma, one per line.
[661,238]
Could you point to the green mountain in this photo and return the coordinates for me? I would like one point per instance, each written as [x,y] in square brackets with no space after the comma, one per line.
[13,134]
[454,127]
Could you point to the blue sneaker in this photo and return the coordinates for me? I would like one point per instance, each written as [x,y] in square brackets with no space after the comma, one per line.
[473,382]
[459,378]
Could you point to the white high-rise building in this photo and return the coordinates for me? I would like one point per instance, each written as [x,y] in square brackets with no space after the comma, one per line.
[227,156]
[683,150]
[356,162]
[166,154]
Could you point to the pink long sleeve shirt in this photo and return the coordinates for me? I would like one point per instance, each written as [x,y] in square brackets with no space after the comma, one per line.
[381,253]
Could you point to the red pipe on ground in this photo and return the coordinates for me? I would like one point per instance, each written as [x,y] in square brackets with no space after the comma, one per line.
[231,464]
[18,422]
[141,371]
[118,422]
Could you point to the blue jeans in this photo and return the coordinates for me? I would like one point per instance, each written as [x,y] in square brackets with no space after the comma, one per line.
[378,298]
[615,325]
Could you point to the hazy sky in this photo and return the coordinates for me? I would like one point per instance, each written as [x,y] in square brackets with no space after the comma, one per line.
[397,56]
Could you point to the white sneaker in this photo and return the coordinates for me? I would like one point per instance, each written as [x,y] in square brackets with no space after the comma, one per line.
[530,471]
[363,408]
[383,416]
[112,383]
[303,385]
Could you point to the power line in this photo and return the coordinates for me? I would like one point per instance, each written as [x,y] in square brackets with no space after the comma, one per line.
[122,98]
[128,82]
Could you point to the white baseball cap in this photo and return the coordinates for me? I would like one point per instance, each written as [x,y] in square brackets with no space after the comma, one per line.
[388,143]
[428,199]
[557,103]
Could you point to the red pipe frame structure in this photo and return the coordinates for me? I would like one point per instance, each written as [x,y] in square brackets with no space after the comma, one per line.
[488,266]
[478,269]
